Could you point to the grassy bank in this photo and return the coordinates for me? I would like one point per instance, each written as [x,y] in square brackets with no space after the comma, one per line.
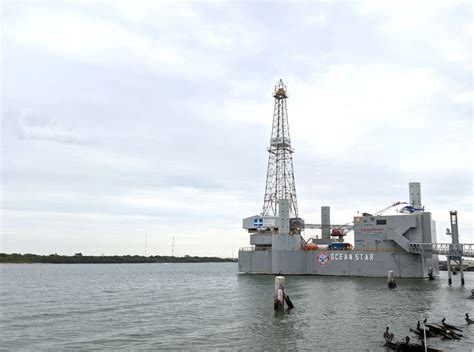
[104,259]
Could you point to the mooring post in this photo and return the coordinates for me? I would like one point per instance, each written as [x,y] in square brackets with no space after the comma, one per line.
[462,271]
[391,281]
[430,273]
[448,260]
[279,300]
[280,295]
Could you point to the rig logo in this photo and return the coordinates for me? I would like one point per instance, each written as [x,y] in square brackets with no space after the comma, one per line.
[322,259]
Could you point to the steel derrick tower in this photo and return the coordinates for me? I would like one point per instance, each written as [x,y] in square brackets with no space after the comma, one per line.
[280,177]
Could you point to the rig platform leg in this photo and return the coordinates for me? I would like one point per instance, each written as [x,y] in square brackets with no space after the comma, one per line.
[461,269]
[448,262]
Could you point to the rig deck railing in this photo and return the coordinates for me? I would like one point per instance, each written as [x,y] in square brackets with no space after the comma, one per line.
[455,250]
[246,249]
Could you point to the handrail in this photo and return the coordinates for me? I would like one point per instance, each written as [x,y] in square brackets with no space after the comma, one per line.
[246,249]
[455,250]
[451,249]
[255,249]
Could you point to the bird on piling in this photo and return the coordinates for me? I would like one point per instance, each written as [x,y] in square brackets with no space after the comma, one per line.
[449,326]
[387,335]
[418,332]
[406,345]
[424,330]
[468,320]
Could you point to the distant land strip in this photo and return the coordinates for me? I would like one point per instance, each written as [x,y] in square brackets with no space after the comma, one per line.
[78,258]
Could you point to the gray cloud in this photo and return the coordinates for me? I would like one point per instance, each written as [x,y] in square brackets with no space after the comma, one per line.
[131,119]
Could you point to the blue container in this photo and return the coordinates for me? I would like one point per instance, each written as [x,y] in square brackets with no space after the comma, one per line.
[339,246]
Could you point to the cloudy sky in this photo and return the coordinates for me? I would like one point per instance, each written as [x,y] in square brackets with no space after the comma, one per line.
[126,121]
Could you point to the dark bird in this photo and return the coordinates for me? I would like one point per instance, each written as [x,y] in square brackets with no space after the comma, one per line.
[387,335]
[468,320]
[405,346]
[424,320]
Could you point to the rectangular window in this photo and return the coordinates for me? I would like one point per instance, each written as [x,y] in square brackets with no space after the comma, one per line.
[381,222]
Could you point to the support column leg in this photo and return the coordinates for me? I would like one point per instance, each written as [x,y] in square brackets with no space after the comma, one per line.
[462,271]
[422,265]
[448,260]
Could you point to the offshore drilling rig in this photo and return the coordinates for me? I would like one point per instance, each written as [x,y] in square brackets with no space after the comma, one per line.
[403,243]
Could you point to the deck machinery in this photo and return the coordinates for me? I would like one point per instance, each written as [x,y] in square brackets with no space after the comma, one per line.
[381,242]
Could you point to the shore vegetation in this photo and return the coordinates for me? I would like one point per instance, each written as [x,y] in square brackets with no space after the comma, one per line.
[79,258]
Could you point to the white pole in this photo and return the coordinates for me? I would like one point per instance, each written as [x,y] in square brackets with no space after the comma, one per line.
[424,337]
[172,247]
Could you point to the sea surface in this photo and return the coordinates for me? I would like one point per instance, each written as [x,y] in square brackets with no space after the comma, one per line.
[208,306]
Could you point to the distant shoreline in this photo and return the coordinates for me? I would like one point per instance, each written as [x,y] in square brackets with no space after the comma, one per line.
[78,258]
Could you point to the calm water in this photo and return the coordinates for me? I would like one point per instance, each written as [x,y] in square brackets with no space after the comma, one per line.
[210,307]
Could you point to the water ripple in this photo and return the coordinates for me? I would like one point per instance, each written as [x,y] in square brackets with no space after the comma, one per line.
[210,307]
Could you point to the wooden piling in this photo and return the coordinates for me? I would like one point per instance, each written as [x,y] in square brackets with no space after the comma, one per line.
[280,295]
[279,300]
[391,280]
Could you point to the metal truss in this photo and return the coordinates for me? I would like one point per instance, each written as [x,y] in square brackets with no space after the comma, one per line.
[280,182]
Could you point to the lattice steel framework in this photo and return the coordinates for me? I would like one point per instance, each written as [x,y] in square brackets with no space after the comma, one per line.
[280,177]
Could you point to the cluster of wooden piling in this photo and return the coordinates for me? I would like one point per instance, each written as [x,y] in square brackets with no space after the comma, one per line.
[424,331]
[443,330]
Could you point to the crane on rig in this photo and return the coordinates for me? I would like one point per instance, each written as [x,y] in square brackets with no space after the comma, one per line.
[341,230]
[384,210]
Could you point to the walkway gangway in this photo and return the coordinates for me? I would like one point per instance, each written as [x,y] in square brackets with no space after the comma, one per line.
[450,249]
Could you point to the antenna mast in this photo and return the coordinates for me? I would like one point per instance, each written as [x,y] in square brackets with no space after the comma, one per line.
[172,247]
[280,177]
[146,242]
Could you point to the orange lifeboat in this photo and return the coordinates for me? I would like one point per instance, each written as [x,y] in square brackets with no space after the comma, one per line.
[310,247]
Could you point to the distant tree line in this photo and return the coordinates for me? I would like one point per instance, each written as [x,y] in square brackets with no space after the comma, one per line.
[78,258]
